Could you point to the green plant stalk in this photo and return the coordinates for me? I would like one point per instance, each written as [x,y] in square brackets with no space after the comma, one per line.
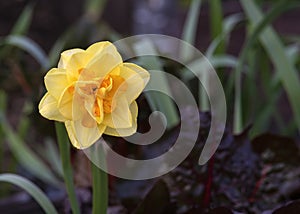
[203,98]
[94,8]
[190,28]
[229,24]
[21,26]
[273,91]
[157,101]
[189,35]
[64,148]
[290,87]
[216,26]
[100,190]
[250,87]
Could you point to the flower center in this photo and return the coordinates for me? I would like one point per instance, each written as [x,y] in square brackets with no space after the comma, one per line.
[105,95]
[101,93]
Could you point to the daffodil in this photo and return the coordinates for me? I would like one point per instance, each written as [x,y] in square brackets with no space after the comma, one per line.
[93,92]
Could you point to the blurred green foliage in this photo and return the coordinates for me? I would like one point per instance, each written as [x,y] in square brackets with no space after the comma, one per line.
[255,82]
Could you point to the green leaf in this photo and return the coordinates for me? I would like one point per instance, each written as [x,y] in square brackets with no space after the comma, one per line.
[219,61]
[28,45]
[32,189]
[264,115]
[190,28]
[25,156]
[292,53]
[52,155]
[57,48]
[3,101]
[229,24]
[216,26]
[20,27]
[24,122]
[94,8]
[23,22]
[157,102]
[269,39]
[272,88]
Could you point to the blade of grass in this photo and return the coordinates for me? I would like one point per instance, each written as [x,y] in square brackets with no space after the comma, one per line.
[158,102]
[250,89]
[58,47]
[264,115]
[53,157]
[94,8]
[199,65]
[20,27]
[64,148]
[216,26]
[28,45]
[25,156]
[274,47]
[24,123]
[229,24]
[220,61]
[32,189]
[273,90]
[292,53]
[22,24]
[190,28]
[100,30]
[3,101]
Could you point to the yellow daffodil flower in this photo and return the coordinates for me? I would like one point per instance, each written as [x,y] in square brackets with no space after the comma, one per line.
[93,92]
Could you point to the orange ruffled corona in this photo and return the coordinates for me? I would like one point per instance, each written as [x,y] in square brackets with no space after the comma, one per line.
[93,92]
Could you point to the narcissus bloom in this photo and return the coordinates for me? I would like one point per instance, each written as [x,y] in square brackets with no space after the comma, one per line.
[93,92]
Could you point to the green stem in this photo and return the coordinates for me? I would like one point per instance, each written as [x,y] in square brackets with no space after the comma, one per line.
[64,147]
[100,190]
[216,19]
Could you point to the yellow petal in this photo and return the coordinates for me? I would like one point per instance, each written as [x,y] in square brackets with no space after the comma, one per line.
[87,121]
[96,48]
[104,61]
[144,74]
[136,79]
[101,48]
[66,55]
[48,108]
[56,82]
[120,116]
[77,104]
[82,137]
[76,63]
[65,102]
[124,132]
[95,109]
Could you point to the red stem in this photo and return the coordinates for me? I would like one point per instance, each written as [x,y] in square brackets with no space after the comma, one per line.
[259,183]
[209,182]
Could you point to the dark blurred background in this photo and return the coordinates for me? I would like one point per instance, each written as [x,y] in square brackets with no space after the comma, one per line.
[128,17]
